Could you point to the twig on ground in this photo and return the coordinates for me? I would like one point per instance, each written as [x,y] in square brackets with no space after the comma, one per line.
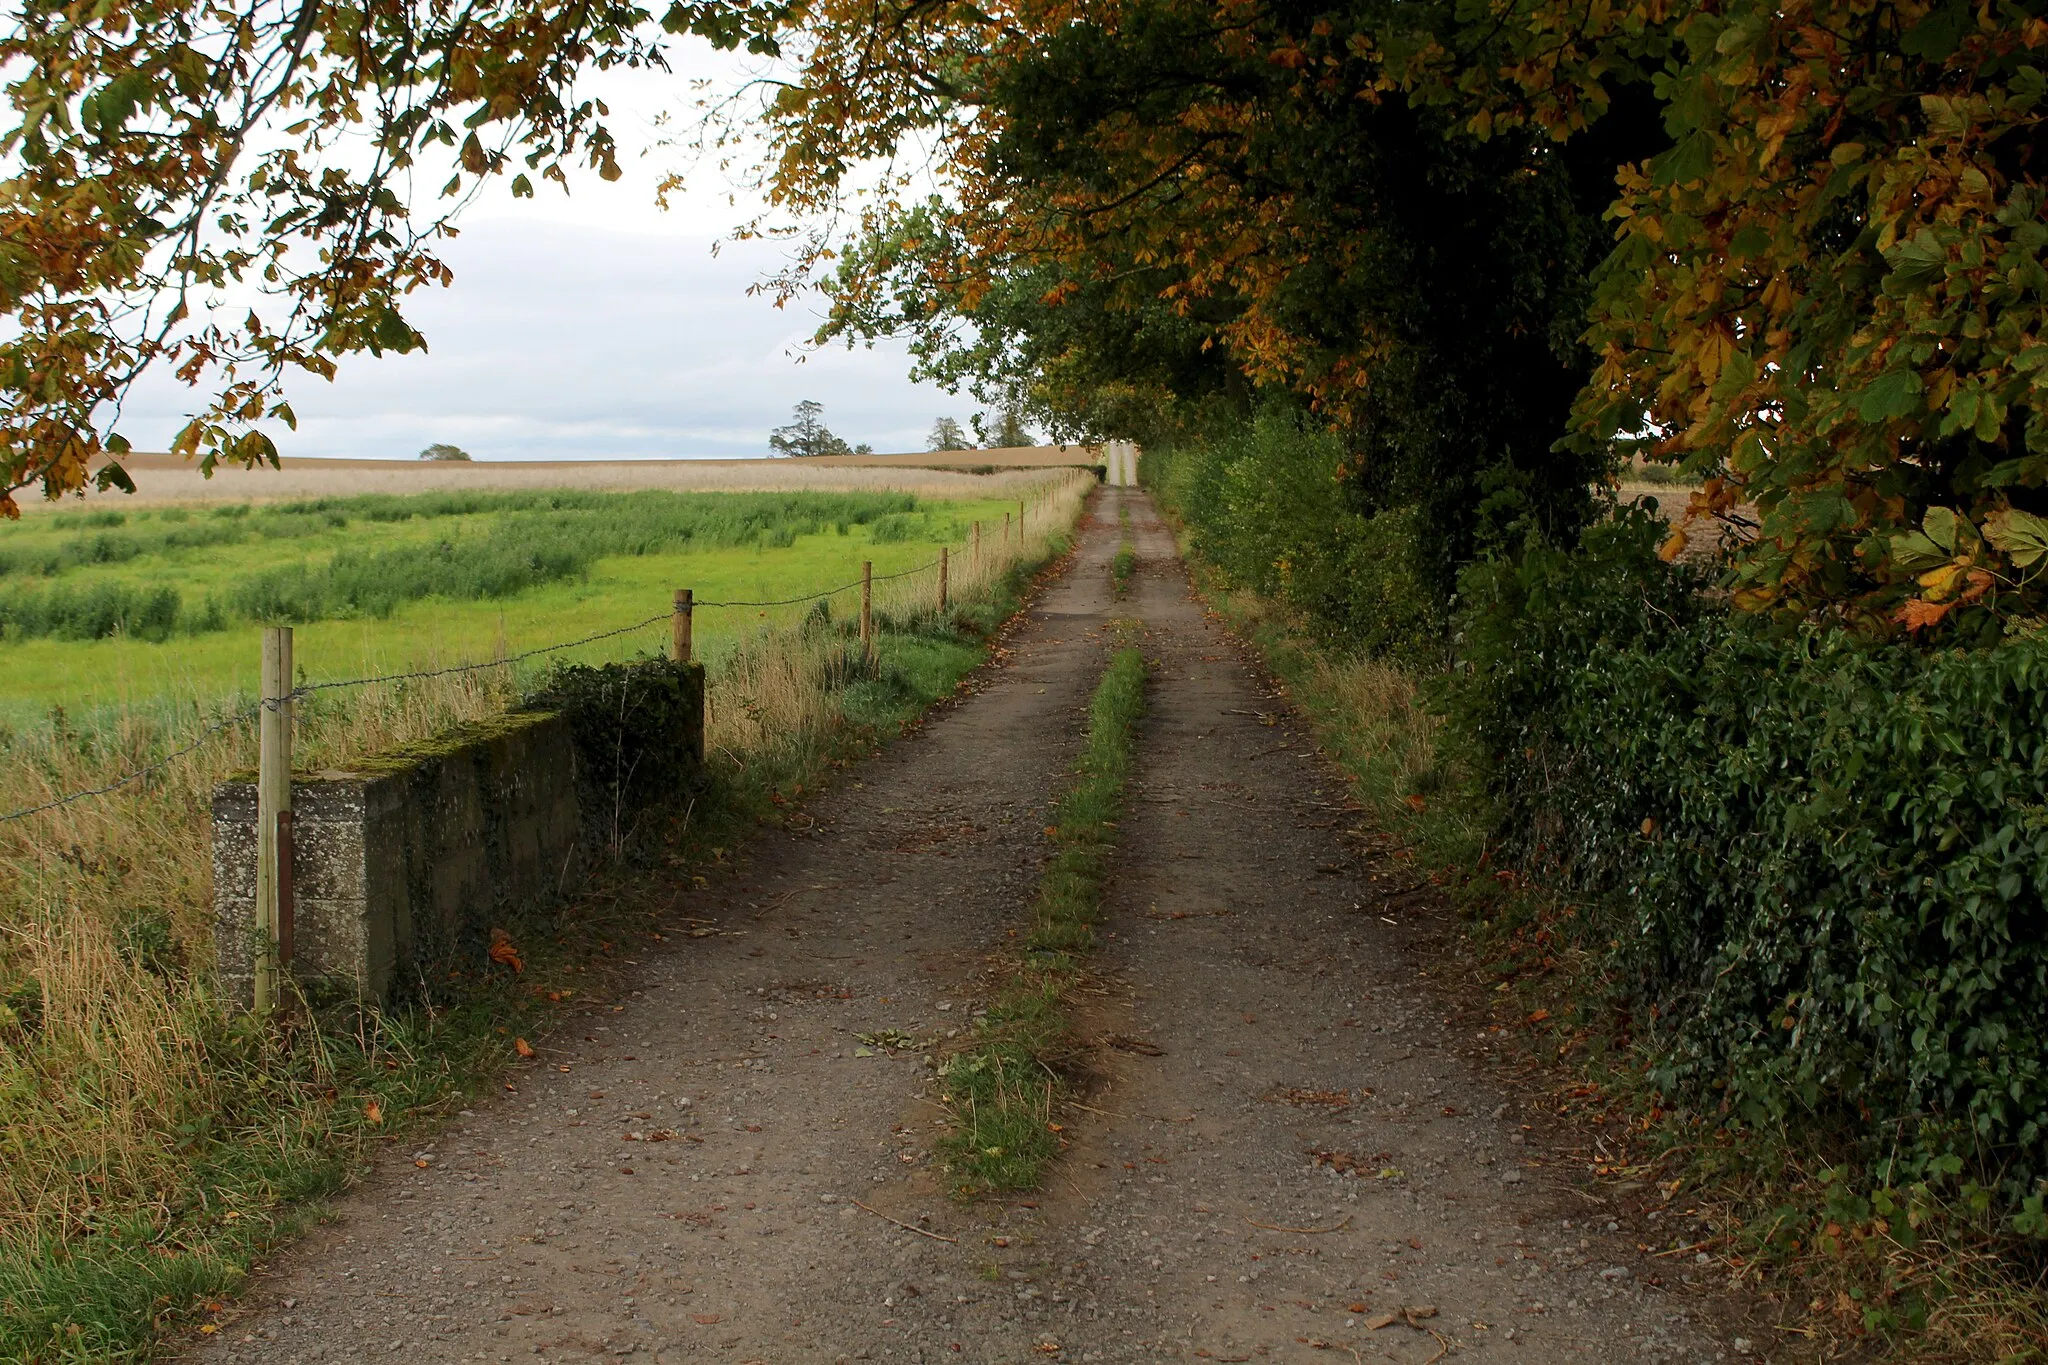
[1680,1251]
[1113,1114]
[1274,1227]
[1089,1108]
[907,1227]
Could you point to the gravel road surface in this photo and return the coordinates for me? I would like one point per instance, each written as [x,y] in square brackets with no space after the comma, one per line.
[1288,1148]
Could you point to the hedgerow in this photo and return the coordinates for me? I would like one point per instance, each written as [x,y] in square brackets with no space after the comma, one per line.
[1818,867]
[1267,506]
[1809,869]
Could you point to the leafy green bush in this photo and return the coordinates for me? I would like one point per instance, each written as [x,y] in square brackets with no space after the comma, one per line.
[1819,868]
[506,561]
[1267,505]
[637,728]
[91,612]
[901,526]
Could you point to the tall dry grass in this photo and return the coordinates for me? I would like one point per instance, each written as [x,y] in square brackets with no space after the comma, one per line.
[773,685]
[1371,710]
[110,1034]
[106,943]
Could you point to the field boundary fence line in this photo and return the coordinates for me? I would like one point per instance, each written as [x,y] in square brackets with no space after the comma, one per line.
[254,710]
[206,736]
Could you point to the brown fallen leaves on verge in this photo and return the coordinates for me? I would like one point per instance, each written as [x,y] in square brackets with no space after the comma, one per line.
[504,952]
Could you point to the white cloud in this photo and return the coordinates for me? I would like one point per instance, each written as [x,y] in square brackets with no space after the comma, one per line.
[596,325]
[561,341]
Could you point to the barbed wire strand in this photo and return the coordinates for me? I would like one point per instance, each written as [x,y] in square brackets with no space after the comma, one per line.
[308,689]
[205,736]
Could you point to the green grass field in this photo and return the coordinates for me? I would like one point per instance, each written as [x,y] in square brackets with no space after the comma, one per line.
[116,609]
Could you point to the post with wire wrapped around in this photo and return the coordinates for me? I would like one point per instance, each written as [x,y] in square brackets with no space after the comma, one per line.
[867,612]
[685,606]
[273,818]
[942,580]
[1006,531]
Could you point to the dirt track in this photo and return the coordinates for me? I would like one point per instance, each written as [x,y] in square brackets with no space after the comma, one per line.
[1261,1002]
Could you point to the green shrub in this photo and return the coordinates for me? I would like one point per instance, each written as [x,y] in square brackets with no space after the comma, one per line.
[1267,506]
[901,526]
[506,561]
[1817,867]
[91,612]
[636,727]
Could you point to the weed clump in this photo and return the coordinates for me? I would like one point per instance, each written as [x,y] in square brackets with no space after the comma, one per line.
[1003,1085]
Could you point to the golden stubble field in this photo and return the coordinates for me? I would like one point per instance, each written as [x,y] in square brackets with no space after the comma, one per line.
[953,474]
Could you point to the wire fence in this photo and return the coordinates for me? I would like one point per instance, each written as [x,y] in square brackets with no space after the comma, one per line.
[221,727]
[206,736]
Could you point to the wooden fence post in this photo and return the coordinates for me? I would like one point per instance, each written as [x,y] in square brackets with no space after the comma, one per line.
[685,605]
[273,817]
[1006,532]
[942,580]
[867,609]
[977,545]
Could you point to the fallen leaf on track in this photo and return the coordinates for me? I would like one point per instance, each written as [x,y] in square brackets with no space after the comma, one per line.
[522,1047]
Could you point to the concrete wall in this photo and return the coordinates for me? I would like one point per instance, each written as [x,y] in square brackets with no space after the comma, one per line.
[407,862]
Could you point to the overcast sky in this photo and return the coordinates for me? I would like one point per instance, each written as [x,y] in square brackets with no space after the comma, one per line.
[598,325]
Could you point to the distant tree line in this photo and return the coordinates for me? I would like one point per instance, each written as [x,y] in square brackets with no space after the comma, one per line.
[807,435]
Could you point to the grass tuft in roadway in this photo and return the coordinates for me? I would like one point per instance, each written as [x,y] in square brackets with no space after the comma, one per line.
[1003,1086]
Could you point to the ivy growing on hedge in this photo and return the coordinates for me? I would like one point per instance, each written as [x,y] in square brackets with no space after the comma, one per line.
[636,727]
[1824,863]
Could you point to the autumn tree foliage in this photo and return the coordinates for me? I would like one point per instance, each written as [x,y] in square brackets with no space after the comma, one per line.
[1828,300]
[220,189]
[1153,198]
[1796,247]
